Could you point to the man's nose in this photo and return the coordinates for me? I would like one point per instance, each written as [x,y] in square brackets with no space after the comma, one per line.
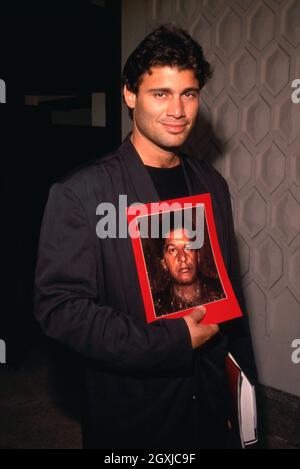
[182,255]
[176,107]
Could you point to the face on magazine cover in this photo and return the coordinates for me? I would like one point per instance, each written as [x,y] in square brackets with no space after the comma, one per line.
[179,259]
[187,286]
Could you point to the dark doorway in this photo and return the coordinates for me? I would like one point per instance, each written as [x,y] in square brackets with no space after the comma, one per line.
[63,108]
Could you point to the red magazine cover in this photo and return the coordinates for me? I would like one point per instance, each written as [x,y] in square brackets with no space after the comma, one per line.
[179,261]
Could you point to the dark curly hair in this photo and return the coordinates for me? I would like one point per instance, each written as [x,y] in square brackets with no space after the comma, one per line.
[168,45]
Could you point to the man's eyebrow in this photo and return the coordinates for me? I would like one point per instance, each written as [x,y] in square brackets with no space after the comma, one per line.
[162,90]
[167,245]
[186,90]
[173,244]
[169,90]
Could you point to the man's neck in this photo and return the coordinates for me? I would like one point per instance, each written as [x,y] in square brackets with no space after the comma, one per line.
[188,293]
[152,155]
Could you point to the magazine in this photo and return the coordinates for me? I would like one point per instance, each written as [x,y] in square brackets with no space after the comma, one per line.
[179,261]
[243,418]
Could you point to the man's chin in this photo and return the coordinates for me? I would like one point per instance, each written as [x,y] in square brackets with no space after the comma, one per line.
[185,282]
[173,143]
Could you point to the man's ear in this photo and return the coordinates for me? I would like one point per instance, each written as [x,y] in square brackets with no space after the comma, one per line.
[129,97]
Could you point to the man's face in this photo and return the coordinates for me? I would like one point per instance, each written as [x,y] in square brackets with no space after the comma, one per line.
[165,107]
[179,260]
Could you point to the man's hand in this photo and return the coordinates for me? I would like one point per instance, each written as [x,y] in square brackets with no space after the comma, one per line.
[200,333]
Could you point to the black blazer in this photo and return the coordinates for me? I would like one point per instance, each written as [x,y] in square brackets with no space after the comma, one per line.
[144,385]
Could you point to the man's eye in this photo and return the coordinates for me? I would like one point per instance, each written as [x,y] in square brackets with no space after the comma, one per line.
[159,95]
[190,95]
[172,251]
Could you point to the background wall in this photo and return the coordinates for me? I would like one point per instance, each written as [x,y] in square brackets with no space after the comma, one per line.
[250,130]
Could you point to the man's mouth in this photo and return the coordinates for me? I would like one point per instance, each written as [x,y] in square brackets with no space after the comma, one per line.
[184,270]
[174,128]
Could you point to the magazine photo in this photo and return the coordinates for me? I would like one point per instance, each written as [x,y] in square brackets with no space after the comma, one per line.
[178,260]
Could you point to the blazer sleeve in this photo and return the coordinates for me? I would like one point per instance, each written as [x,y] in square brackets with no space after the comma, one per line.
[238,330]
[66,293]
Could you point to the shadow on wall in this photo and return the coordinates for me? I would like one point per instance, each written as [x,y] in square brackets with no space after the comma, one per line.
[203,142]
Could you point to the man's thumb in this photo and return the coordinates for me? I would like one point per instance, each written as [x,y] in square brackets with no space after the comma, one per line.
[198,313]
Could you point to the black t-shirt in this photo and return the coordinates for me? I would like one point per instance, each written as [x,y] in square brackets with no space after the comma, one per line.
[169,183]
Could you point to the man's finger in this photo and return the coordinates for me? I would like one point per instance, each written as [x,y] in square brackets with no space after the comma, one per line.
[198,313]
[214,328]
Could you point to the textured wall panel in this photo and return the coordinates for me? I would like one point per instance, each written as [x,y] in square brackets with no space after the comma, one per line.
[275,59]
[290,22]
[270,168]
[229,32]
[243,73]
[293,267]
[217,82]
[250,130]
[285,217]
[239,166]
[225,118]
[268,262]
[261,25]
[256,118]
[253,213]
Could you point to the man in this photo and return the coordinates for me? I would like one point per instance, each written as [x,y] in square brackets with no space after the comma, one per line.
[158,385]
[187,286]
